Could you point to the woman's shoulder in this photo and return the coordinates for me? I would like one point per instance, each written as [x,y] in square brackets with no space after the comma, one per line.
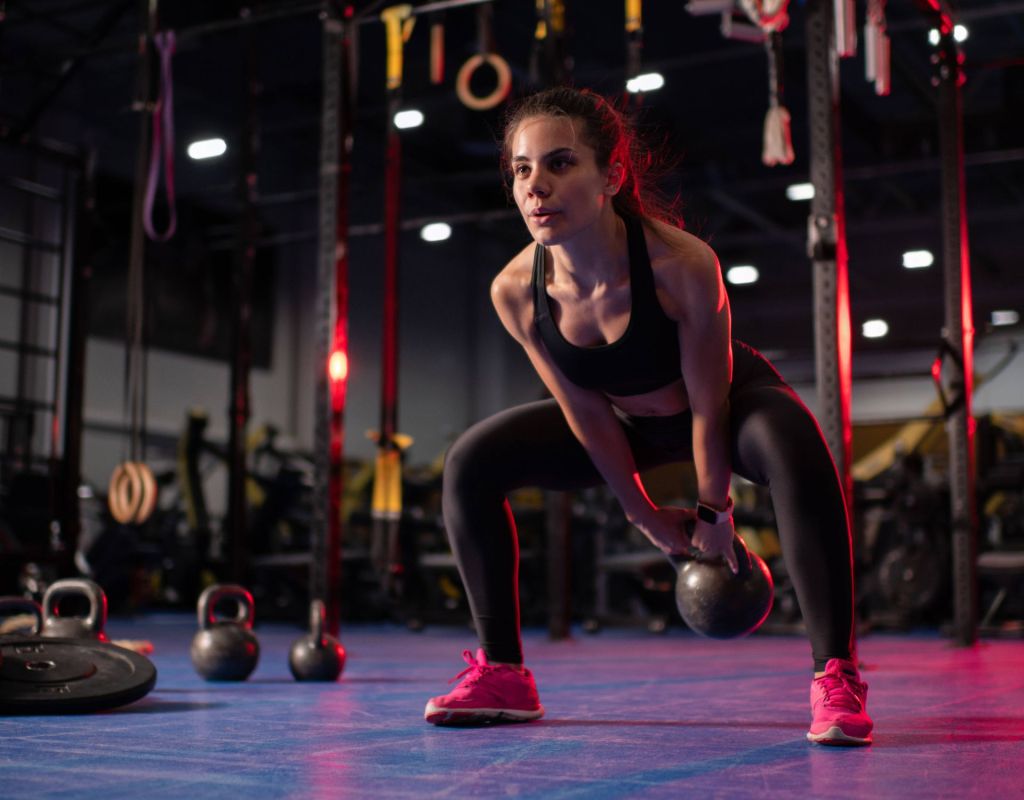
[511,291]
[671,247]
[685,268]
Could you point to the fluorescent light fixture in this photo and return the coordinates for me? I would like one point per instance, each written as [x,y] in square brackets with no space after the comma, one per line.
[960,32]
[874,328]
[800,191]
[742,274]
[435,232]
[206,148]
[918,259]
[647,82]
[1005,317]
[410,118]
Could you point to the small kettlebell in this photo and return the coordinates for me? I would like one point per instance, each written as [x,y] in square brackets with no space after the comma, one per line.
[88,627]
[225,650]
[318,656]
[16,606]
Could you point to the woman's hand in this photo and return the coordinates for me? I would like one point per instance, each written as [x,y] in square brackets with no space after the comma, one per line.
[666,527]
[716,541]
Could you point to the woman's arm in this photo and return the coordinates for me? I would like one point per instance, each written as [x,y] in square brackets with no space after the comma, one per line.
[697,300]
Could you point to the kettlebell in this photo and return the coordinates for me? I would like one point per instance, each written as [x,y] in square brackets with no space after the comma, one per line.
[17,606]
[66,627]
[318,656]
[718,604]
[225,650]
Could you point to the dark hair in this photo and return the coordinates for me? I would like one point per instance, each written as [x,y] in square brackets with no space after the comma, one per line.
[613,137]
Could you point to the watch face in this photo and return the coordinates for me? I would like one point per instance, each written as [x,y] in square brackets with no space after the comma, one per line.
[706,514]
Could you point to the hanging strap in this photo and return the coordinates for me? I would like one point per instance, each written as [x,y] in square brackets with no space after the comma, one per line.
[162,143]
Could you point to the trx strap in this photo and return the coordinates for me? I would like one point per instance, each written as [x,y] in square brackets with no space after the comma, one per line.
[634,37]
[876,48]
[771,17]
[162,143]
[386,505]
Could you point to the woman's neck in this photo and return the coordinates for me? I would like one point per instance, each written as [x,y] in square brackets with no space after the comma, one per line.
[597,255]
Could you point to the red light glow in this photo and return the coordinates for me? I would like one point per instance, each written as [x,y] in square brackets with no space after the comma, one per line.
[337,366]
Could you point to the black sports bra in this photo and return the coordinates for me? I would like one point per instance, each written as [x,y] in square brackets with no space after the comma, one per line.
[644,358]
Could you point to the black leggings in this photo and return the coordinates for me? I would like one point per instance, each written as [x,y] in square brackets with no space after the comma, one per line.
[775,442]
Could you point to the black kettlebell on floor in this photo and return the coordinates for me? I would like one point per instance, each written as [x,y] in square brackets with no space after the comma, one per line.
[225,650]
[68,627]
[12,608]
[317,656]
[718,604]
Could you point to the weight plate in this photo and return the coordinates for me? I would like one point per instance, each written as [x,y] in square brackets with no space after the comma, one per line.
[66,676]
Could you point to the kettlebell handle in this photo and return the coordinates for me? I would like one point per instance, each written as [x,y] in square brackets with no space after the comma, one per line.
[317,615]
[16,603]
[739,546]
[96,619]
[208,600]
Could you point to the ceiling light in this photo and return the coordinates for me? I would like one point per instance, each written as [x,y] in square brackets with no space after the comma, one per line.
[435,232]
[647,82]
[800,191]
[206,148]
[959,32]
[934,36]
[874,328]
[918,259]
[742,274]
[410,118]
[1005,317]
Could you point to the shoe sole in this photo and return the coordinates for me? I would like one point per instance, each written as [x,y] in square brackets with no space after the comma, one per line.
[437,715]
[836,737]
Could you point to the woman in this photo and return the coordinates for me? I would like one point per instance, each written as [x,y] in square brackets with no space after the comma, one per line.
[625,318]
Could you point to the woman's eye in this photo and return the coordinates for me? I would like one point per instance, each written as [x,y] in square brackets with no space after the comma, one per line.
[520,170]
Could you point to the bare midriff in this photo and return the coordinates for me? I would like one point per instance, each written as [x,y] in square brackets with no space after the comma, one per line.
[664,402]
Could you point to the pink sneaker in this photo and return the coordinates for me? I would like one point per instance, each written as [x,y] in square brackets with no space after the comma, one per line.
[488,694]
[839,706]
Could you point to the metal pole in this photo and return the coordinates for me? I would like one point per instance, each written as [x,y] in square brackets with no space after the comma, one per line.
[241,349]
[332,331]
[826,242]
[958,336]
[77,301]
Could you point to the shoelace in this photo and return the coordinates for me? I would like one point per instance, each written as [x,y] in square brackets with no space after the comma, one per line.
[474,671]
[840,691]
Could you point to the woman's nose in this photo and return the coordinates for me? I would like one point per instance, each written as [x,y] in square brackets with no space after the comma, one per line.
[537,187]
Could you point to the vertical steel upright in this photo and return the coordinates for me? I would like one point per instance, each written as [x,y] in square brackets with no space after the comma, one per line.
[332,318]
[958,334]
[78,304]
[826,240]
[241,312]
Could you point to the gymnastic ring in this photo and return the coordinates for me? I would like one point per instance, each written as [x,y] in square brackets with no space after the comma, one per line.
[149,493]
[124,491]
[462,90]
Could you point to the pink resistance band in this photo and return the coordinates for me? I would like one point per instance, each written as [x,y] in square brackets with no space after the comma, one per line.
[163,140]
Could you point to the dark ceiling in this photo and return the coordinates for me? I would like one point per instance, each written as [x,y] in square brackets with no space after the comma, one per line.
[68,70]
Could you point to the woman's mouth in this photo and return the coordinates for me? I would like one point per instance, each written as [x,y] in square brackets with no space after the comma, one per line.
[542,216]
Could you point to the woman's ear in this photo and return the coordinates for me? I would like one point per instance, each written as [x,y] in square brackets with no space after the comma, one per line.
[615,179]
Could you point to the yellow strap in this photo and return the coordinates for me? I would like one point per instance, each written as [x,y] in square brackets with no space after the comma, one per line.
[398,24]
[387,485]
[633,8]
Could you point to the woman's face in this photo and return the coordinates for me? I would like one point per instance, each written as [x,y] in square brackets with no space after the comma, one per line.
[556,182]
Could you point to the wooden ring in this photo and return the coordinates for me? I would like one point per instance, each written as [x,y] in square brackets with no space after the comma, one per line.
[124,488]
[149,493]
[473,63]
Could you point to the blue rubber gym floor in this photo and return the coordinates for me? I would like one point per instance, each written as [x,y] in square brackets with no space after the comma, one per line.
[629,714]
